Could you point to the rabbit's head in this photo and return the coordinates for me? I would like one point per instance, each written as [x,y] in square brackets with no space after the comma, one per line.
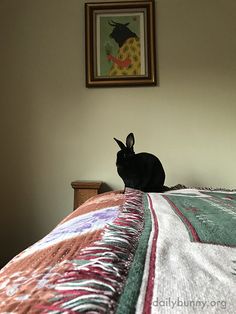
[127,151]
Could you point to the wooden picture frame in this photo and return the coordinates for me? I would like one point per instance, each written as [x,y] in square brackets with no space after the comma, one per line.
[120,44]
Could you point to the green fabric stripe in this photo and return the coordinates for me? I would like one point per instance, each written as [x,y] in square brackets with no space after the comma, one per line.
[213,217]
[128,298]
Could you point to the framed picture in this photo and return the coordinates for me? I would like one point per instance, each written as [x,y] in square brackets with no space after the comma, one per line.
[120,44]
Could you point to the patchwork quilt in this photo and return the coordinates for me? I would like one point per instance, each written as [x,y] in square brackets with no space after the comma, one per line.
[132,252]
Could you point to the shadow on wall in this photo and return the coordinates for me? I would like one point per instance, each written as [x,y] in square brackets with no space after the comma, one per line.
[18,220]
[14,233]
[18,214]
[17,192]
[105,188]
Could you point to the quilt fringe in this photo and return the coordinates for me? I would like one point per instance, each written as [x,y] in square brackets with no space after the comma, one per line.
[95,286]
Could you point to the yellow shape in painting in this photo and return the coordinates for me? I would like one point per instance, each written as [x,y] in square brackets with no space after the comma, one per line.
[130,50]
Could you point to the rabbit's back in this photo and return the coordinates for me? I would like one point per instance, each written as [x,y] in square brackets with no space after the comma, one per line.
[150,175]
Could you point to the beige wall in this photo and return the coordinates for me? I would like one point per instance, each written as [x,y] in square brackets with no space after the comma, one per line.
[54,130]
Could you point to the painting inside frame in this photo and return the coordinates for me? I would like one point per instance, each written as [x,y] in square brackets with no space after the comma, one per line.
[120,44]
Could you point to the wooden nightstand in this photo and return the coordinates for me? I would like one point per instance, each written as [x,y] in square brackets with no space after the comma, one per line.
[83,190]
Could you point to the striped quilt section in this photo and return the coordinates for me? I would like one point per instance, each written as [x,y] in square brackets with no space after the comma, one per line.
[181,276]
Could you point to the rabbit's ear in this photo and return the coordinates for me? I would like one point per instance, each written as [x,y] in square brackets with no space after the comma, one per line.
[121,145]
[130,140]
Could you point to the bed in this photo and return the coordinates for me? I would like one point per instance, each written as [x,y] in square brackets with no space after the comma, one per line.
[131,252]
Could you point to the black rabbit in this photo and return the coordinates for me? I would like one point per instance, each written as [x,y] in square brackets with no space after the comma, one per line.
[141,171]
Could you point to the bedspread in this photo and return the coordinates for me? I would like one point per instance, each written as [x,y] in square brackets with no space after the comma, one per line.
[183,272]
[136,252]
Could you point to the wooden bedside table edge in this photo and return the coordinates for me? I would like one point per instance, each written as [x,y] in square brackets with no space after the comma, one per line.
[86,184]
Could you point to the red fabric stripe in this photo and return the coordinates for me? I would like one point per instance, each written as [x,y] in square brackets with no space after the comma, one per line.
[151,276]
[187,222]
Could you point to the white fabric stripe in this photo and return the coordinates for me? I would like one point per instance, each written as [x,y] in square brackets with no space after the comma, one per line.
[190,277]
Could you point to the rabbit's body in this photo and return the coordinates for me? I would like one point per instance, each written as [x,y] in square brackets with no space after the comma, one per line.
[141,171]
